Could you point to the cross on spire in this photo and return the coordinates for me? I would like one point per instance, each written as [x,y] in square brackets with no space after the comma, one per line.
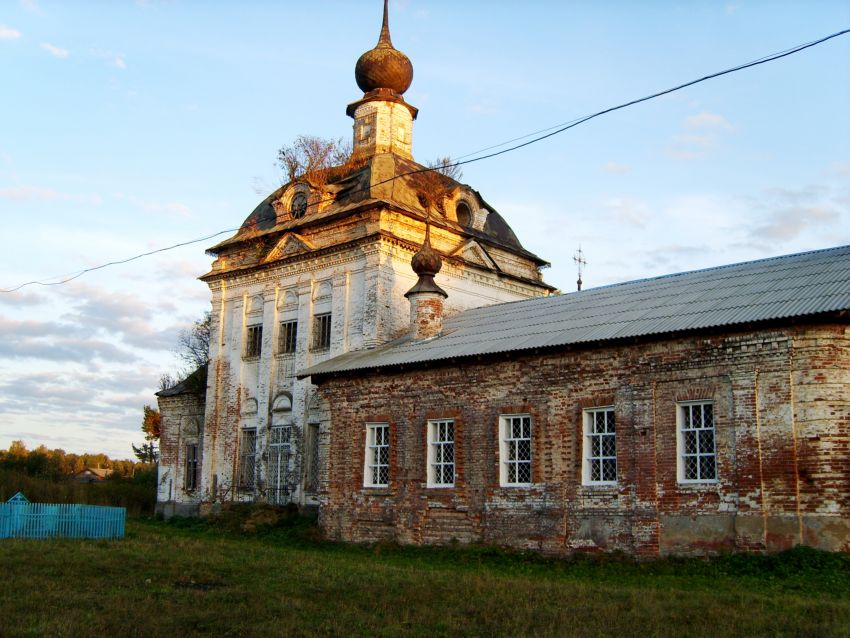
[580,263]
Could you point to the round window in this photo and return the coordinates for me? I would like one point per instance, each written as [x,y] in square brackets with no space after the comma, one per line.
[299,205]
[464,215]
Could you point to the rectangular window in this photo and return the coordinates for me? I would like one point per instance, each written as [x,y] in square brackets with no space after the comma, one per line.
[697,453]
[376,472]
[247,458]
[253,341]
[286,337]
[441,453]
[279,479]
[190,481]
[600,447]
[312,473]
[515,449]
[322,331]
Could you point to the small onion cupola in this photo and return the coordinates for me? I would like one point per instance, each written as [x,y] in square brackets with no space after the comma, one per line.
[383,121]
[426,297]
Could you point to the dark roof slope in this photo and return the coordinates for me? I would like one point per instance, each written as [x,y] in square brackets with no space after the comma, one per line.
[195,383]
[348,188]
[768,289]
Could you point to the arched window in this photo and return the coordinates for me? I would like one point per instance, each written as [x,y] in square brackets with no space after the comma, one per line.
[280,450]
[464,215]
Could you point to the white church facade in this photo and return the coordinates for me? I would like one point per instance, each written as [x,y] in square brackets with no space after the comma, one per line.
[320,269]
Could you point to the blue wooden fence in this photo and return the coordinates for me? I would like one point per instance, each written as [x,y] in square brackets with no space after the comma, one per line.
[21,519]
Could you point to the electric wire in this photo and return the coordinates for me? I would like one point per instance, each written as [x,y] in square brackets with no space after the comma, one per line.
[536,137]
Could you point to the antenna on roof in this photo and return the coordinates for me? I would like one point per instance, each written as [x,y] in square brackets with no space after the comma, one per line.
[580,263]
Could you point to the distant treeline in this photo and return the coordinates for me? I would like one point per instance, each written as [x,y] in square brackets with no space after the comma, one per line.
[58,464]
[46,476]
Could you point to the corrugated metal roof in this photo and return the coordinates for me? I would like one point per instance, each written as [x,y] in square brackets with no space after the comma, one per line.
[780,287]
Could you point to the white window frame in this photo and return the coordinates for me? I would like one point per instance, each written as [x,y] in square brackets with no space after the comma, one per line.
[588,458]
[682,409]
[507,442]
[375,444]
[441,446]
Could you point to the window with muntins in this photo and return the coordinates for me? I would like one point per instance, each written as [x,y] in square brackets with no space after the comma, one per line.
[253,341]
[600,447]
[190,480]
[376,472]
[515,449]
[697,451]
[441,453]
[279,479]
[287,336]
[312,473]
[247,458]
[322,331]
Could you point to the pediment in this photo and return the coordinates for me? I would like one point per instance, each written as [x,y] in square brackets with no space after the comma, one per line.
[474,253]
[288,245]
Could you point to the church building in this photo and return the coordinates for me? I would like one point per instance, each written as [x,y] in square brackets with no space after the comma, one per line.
[385,349]
[319,269]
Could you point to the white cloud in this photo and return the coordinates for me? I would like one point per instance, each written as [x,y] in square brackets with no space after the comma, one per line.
[695,144]
[37,193]
[617,169]
[31,5]
[842,169]
[115,60]
[628,211]
[786,214]
[707,120]
[56,52]
[171,209]
[8,33]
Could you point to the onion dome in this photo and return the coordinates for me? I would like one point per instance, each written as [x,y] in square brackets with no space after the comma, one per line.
[384,67]
[426,263]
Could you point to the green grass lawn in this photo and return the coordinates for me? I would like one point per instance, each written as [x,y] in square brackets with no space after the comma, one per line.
[190,579]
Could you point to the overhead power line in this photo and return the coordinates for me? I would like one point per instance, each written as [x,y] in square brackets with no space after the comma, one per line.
[537,136]
[117,262]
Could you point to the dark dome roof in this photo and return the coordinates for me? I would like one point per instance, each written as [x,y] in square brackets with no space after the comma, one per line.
[384,67]
[427,261]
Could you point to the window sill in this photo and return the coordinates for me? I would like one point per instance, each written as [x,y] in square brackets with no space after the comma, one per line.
[377,490]
[698,485]
[601,487]
[250,359]
[285,355]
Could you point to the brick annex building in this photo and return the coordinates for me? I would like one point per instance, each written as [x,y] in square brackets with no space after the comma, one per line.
[385,348]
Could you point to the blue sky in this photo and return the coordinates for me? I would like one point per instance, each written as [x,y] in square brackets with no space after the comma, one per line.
[128,126]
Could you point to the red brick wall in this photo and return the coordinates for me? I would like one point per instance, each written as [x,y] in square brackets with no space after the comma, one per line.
[782,423]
